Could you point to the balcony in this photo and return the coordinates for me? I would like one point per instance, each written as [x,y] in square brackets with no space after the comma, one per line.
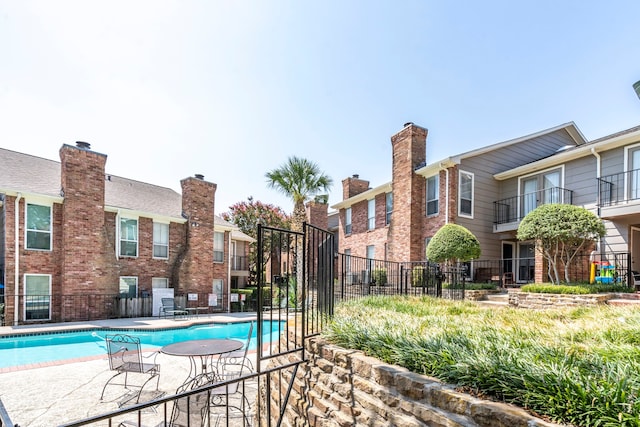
[509,212]
[239,263]
[619,194]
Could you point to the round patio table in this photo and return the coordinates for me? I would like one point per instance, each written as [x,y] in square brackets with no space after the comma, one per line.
[201,351]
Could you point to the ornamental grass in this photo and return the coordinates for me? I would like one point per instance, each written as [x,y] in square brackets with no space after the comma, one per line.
[578,366]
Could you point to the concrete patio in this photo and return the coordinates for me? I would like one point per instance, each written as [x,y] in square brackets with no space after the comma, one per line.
[61,393]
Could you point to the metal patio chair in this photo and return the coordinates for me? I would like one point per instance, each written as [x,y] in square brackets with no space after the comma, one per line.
[238,357]
[189,410]
[126,358]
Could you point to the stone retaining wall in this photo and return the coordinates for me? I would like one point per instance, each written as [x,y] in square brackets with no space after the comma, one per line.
[340,387]
[541,301]
[480,294]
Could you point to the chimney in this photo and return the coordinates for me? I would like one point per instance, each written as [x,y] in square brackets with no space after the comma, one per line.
[353,186]
[83,145]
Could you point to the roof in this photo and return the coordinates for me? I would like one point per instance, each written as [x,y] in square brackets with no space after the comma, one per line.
[36,176]
[569,127]
[608,142]
[365,195]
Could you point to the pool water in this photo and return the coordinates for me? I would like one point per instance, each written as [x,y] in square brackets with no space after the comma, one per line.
[30,349]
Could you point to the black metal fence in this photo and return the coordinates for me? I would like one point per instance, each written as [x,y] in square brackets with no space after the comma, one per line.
[56,308]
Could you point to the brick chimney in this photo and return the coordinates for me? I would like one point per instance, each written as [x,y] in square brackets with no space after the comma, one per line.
[405,232]
[353,186]
[83,219]
[198,201]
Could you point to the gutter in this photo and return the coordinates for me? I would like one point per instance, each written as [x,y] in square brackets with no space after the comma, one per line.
[16,265]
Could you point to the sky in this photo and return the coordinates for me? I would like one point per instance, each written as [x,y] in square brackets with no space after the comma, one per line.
[230,89]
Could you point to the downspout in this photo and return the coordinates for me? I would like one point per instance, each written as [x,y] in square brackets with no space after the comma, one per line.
[229,278]
[446,182]
[16,265]
[117,242]
[598,166]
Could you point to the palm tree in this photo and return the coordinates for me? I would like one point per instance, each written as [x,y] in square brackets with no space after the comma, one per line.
[299,179]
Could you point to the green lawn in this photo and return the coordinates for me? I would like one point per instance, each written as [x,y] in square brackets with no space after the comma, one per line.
[578,366]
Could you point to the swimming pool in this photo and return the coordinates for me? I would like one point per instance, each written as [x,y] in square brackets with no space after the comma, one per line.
[18,350]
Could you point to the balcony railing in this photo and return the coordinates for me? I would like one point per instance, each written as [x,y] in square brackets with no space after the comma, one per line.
[239,263]
[619,188]
[513,209]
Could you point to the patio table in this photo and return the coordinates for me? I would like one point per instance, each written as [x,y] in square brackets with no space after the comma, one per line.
[201,353]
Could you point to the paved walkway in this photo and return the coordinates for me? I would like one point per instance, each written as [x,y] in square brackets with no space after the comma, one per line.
[59,393]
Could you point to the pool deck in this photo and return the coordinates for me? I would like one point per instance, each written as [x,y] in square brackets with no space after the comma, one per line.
[51,394]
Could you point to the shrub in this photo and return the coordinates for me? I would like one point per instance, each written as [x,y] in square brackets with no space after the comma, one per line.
[453,242]
[379,276]
[419,276]
[582,289]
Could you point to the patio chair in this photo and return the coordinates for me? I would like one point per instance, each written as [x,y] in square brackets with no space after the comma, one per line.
[189,410]
[238,357]
[126,358]
[229,401]
[169,308]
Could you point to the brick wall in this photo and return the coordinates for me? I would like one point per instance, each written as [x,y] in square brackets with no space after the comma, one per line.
[340,387]
[317,214]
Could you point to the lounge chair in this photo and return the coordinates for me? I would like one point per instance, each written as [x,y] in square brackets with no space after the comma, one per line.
[126,358]
[238,357]
[169,308]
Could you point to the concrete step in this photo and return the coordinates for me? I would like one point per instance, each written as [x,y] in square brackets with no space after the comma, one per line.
[501,297]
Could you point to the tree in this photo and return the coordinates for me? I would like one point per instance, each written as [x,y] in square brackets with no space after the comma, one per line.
[247,215]
[560,232]
[298,179]
[453,243]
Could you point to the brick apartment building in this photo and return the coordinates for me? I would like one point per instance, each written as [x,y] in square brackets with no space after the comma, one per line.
[70,229]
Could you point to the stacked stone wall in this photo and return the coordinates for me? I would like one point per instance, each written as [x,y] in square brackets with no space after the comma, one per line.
[340,387]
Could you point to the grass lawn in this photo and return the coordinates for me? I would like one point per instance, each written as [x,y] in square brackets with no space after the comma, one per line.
[579,366]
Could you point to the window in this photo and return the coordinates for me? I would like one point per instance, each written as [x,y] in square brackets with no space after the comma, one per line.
[160,240]
[539,189]
[633,172]
[218,246]
[216,297]
[389,206]
[38,227]
[371,251]
[37,298]
[128,287]
[432,195]
[371,214]
[465,202]
[128,237]
[347,221]
[159,282]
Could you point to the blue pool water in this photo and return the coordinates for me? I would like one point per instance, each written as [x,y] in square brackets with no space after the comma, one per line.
[29,349]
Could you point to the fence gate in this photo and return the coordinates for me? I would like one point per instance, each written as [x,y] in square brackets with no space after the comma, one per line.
[296,272]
